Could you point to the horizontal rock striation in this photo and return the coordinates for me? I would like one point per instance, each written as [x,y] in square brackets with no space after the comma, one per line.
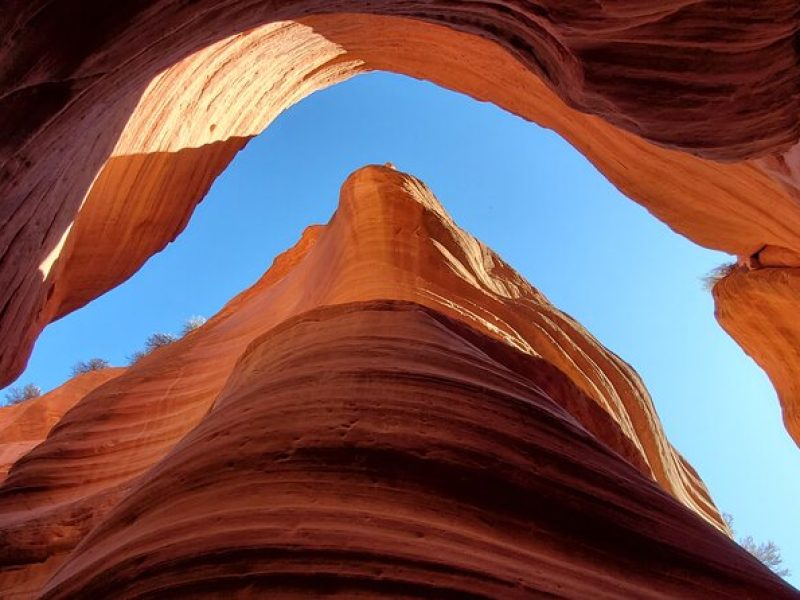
[23,426]
[371,450]
[391,410]
[117,118]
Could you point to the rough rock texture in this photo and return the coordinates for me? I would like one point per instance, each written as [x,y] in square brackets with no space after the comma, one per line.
[118,116]
[390,411]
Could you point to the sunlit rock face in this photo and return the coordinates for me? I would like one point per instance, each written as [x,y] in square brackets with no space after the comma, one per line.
[117,117]
[25,425]
[390,411]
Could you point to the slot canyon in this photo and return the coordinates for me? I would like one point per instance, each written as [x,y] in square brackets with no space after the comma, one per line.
[391,410]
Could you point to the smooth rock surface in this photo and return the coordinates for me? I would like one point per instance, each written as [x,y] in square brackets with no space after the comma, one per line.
[390,411]
[117,117]
[756,308]
[26,424]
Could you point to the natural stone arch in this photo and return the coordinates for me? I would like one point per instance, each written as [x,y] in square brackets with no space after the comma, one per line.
[115,135]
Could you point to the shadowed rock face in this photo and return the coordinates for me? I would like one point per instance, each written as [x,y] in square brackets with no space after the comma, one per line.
[116,118]
[391,411]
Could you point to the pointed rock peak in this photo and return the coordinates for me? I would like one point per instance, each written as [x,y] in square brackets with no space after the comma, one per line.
[395,216]
[381,187]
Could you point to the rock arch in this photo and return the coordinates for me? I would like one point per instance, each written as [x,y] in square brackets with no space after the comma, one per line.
[116,120]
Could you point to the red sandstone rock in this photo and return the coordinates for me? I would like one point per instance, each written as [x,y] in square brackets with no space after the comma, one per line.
[390,411]
[756,308]
[25,425]
[116,118]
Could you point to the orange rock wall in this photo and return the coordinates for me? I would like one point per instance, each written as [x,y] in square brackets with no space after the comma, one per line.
[116,119]
[390,411]
[417,466]
[756,308]
[23,426]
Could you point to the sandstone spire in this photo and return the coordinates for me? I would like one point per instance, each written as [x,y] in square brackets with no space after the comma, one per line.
[117,118]
[391,410]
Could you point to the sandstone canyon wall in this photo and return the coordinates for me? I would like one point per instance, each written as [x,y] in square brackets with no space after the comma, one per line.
[390,411]
[116,118]
[23,426]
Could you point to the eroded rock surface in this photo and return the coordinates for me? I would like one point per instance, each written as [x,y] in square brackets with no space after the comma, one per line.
[23,426]
[391,410]
[117,118]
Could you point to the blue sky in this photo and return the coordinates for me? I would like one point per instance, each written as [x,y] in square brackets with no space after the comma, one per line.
[630,280]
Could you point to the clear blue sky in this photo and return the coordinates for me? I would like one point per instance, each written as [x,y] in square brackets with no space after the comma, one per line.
[630,280]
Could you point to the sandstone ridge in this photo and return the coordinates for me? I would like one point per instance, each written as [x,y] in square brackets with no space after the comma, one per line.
[117,118]
[390,411]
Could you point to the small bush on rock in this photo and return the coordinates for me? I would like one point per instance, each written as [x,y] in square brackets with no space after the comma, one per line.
[156,340]
[16,395]
[717,274]
[193,323]
[93,364]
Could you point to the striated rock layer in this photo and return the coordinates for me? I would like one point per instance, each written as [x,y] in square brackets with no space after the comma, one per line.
[23,426]
[759,309]
[116,119]
[391,411]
